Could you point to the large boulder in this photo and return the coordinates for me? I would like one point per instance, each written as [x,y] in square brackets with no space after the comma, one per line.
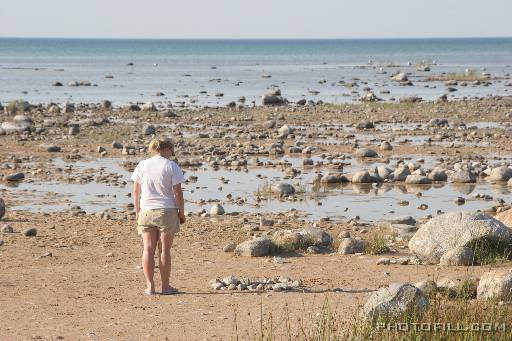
[505,217]
[289,240]
[459,256]
[393,301]
[2,208]
[438,175]
[400,77]
[457,229]
[496,285]
[257,247]
[502,173]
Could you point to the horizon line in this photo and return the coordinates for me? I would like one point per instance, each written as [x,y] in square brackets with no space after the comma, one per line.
[260,39]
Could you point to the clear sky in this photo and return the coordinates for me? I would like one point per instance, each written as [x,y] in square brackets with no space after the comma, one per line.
[255,19]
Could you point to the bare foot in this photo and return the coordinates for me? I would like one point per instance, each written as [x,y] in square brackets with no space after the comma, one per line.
[169,291]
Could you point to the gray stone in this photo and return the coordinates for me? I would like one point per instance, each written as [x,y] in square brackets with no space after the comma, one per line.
[232,279]
[502,173]
[448,231]
[257,247]
[393,301]
[428,287]
[403,220]
[437,175]
[149,129]
[463,176]
[229,247]
[401,173]
[7,229]
[350,246]
[273,98]
[30,232]
[217,209]
[365,152]
[284,130]
[148,106]
[459,256]
[400,77]
[365,125]
[496,284]
[15,177]
[2,208]
[364,177]
[386,146]
[417,180]
[16,126]
[316,236]
[289,240]
[283,189]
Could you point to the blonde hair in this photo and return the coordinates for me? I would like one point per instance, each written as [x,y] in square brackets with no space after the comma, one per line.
[158,144]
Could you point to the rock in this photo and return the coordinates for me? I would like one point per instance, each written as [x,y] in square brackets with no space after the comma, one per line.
[383,261]
[463,176]
[106,104]
[459,256]
[69,108]
[16,126]
[30,232]
[364,177]
[370,97]
[73,83]
[257,247]
[15,177]
[496,284]
[428,287]
[288,240]
[54,109]
[133,107]
[284,130]
[283,189]
[410,99]
[149,129]
[217,209]
[273,98]
[350,246]
[502,173]
[394,301]
[229,247]
[448,231]
[330,179]
[386,146]
[365,125]
[74,129]
[230,280]
[56,83]
[365,152]
[316,236]
[417,180]
[2,208]
[437,175]
[51,148]
[7,229]
[400,77]
[148,106]
[402,220]
[401,173]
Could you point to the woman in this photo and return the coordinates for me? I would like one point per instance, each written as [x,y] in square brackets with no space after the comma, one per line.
[159,206]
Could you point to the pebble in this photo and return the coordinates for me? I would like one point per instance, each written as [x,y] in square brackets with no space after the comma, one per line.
[30,232]
[7,228]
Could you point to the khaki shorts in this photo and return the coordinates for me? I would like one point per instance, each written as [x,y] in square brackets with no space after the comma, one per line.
[164,219]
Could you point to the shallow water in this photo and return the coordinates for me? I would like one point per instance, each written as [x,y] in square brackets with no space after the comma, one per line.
[182,69]
[369,202]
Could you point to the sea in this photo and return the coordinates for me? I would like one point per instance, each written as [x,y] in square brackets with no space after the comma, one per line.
[198,73]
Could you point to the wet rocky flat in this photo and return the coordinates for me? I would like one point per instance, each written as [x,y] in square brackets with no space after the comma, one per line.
[286,204]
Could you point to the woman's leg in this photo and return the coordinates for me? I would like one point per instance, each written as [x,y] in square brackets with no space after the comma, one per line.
[149,237]
[166,239]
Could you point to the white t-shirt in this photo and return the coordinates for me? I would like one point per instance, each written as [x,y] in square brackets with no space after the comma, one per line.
[157,175]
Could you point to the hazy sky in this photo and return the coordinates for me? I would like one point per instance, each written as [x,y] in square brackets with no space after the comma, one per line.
[255,19]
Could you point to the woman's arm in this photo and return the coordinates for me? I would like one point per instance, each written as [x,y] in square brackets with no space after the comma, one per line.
[136,197]
[178,194]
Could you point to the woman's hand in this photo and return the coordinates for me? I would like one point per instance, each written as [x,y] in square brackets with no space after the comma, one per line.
[183,219]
